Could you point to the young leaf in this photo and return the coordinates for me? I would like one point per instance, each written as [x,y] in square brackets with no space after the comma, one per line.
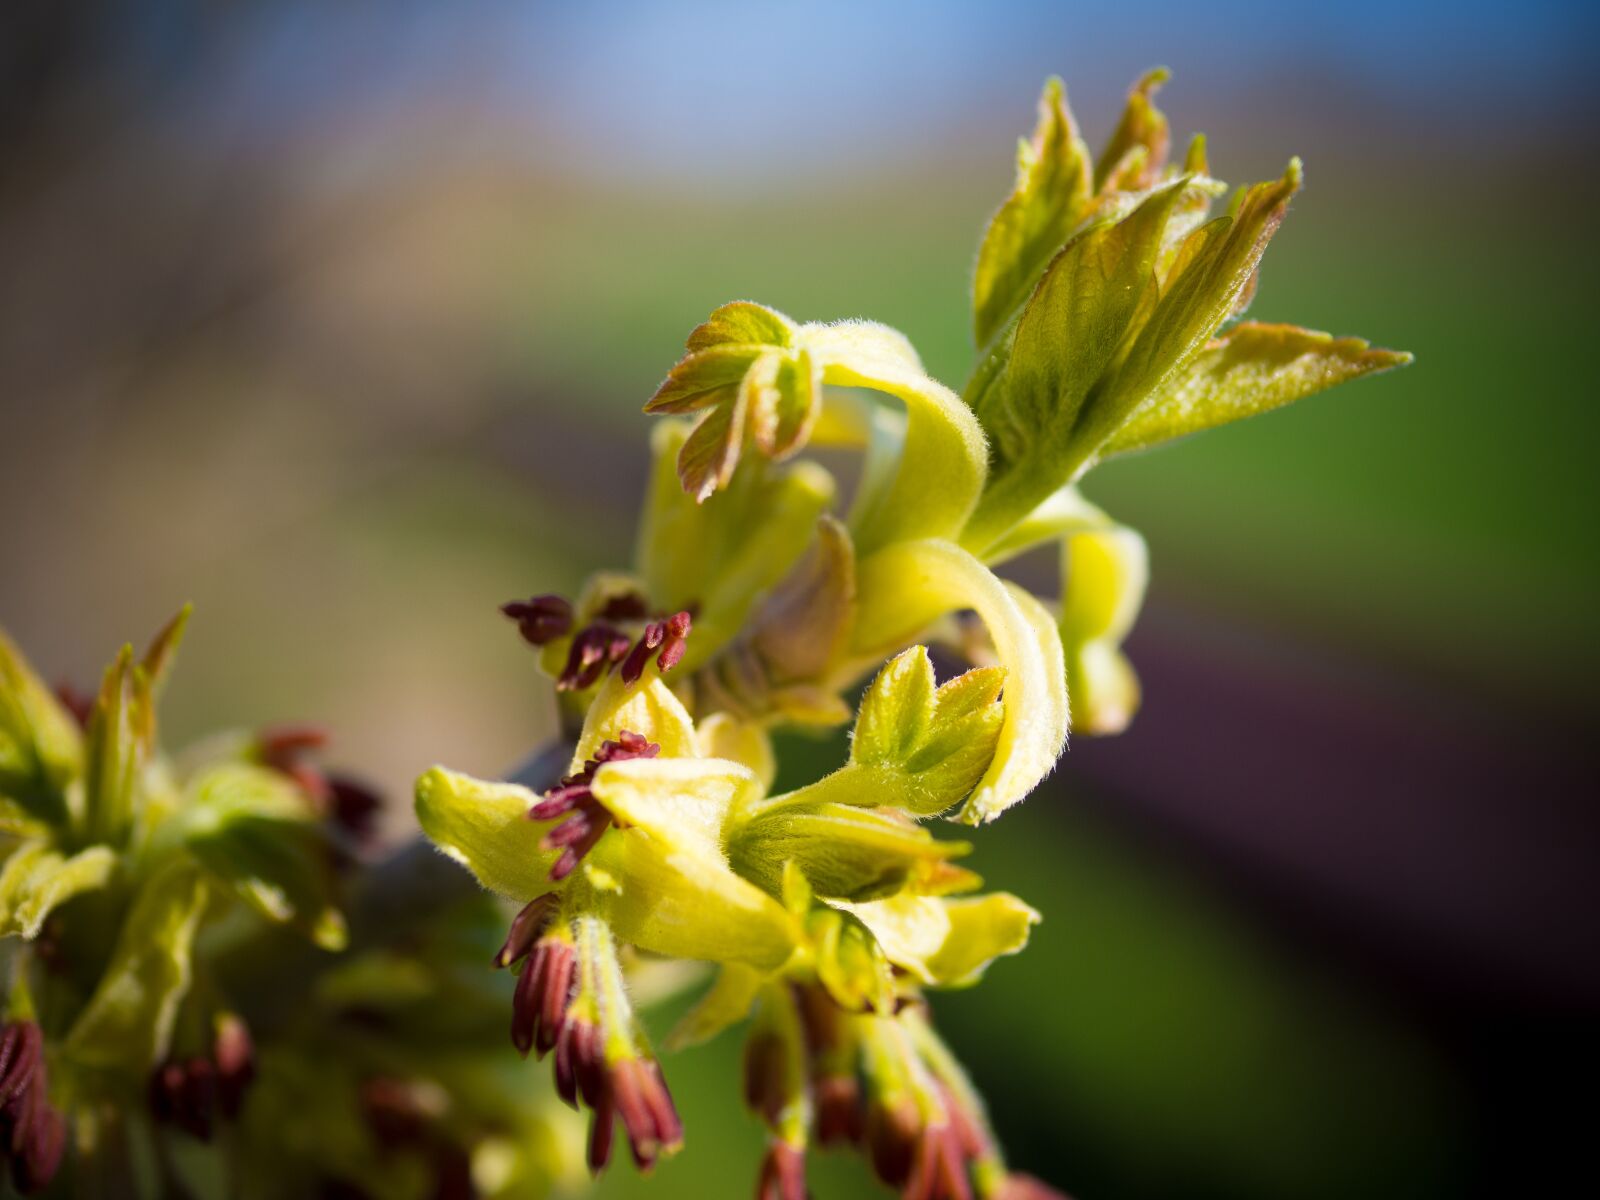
[41,748]
[127,1023]
[114,753]
[1137,152]
[150,676]
[281,869]
[37,878]
[1213,271]
[743,322]
[763,388]
[1048,201]
[1067,338]
[1252,368]
[928,747]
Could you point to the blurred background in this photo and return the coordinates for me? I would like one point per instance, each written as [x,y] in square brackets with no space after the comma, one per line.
[337,319]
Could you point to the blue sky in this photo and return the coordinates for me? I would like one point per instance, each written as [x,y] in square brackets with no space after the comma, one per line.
[736,87]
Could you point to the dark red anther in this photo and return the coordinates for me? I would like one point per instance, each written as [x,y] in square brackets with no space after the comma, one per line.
[892,1134]
[830,1055]
[393,1112]
[543,992]
[41,1151]
[21,1049]
[633,666]
[629,1089]
[966,1127]
[646,1108]
[566,1069]
[32,1132]
[838,1104]
[601,1129]
[526,927]
[766,1090]
[783,1173]
[586,818]
[596,649]
[677,640]
[540,619]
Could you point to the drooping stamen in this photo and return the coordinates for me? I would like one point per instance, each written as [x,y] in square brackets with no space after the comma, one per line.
[783,1173]
[776,1089]
[543,992]
[766,1085]
[831,1065]
[540,619]
[910,1141]
[599,1058]
[642,1100]
[32,1131]
[587,819]
[525,929]
[892,1130]
[940,1169]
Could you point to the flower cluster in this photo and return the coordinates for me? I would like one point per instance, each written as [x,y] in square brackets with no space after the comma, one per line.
[1105,308]
[124,1023]
[180,970]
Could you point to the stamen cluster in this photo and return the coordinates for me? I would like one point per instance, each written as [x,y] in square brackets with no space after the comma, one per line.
[603,642]
[588,819]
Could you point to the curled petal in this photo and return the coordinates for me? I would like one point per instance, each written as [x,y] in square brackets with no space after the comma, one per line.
[944,941]
[906,586]
[485,827]
[675,892]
